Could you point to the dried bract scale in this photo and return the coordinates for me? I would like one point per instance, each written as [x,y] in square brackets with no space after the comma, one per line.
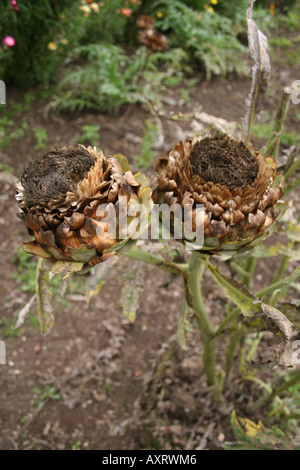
[153,40]
[145,22]
[65,198]
[236,184]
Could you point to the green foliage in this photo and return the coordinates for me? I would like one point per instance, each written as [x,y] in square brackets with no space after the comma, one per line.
[207,36]
[147,156]
[111,78]
[7,329]
[76,445]
[90,135]
[109,24]
[281,42]
[33,27]
[264,129]
[40,396]
[6,168]
[41,137]
[291,20]
[25,273]
[252,436]
[7,132]
[26,270]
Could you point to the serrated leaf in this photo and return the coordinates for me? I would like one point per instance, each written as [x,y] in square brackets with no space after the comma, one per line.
[44,299]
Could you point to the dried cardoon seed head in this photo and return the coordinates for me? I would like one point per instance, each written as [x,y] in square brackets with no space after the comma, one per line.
[153,40]
[59,196]
[234,182]
[54,174]
[145,22]
[225,161]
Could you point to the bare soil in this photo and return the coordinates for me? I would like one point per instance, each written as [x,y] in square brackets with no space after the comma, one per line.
[119,385]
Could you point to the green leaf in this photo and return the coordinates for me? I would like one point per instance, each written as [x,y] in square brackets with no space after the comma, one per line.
[236,292]
[83,254]
[44,299]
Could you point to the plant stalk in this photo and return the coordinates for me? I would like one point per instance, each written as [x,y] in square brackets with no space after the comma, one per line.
[197,265]
[150,258]
[250,268]
[272,146]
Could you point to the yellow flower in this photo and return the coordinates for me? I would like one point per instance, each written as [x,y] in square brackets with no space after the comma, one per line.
[214,2]
[64,41]
[52,46]
[210,9]
[159,14]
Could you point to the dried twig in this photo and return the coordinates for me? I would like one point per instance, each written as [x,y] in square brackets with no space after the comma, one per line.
[23,312]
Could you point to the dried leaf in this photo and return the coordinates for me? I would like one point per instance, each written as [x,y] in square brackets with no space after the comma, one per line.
[65,268]
[97,280]
[23,312]
[285,333]
[260,73]
[131,291]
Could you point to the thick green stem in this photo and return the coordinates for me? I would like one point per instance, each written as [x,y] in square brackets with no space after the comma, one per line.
[250,268]
[293,186]
[272,146]
[282,284]
[233,315]
[197,265]
[282,268]
[150,258]
[292,169]
[264,400]
[234,341]
[295,379]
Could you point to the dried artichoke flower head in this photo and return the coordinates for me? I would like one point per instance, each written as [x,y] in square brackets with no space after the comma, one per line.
[234,182]
[60,195]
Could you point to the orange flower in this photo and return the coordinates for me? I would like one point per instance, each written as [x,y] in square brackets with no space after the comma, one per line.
[126,12]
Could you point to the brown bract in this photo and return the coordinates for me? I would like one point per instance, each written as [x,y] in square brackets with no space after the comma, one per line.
[145,22]
[234,182]
[153,40]
[60,195]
